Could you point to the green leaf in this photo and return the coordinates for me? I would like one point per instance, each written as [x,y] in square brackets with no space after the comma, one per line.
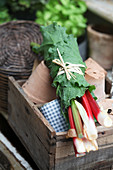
[58,7]
[47,15]
[65,2]
[35,47]
[82,6]
[4,16]
[66,13]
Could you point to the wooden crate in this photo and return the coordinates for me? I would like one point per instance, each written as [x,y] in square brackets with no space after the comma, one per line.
[10,159]
[51,150]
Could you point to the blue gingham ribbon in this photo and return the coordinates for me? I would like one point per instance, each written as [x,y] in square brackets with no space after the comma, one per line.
[52,113]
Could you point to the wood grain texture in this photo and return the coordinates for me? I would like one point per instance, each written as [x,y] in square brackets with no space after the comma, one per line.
[32,128]
[10,159]
[51,150]
[92,161]
[64,147]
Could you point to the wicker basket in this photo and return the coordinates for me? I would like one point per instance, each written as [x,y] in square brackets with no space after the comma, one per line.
[16,56]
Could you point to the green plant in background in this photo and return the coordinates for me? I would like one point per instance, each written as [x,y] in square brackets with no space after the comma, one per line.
[67,13]
[4,15]
[21,9]
[22,5]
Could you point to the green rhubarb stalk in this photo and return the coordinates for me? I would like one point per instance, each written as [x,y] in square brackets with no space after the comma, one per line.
[77,120]
[89,126]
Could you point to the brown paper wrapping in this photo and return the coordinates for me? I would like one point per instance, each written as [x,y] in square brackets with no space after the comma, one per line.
[39,90]
[38,87]
[95,75]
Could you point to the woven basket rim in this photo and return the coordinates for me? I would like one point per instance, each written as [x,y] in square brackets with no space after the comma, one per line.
[18,28]
[19,22]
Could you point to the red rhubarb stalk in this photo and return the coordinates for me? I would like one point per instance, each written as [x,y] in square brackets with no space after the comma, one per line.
[86,105]
[78,154]
[102,117]
[71,121]
[77,143]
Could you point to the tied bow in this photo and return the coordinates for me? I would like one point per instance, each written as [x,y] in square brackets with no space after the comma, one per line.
[67,67]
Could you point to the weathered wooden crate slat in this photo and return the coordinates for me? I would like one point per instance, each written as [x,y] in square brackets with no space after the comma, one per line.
[10,159]
[51,150]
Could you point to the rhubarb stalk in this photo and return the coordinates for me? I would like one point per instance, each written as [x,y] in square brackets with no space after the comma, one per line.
[77,120]
[101,116]
[90,145]
[77,143]
[85,104]
[90,132]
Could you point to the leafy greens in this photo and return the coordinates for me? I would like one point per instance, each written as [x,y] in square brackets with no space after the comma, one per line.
[55,36]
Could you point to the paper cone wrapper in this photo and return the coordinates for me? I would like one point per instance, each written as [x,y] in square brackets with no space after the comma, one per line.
[38,87]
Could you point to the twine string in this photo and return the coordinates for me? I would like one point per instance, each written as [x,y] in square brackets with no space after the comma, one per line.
[67,67]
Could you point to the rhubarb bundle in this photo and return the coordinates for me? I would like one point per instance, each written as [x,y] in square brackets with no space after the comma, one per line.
[55,41]
[62,57]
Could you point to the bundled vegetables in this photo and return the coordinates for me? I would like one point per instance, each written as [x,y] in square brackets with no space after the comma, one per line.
[67,70]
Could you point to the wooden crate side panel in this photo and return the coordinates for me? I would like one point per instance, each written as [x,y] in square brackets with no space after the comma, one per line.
[92,161]
[33,115]
[65,151]
[42,158]
[64,148]
[27,122]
